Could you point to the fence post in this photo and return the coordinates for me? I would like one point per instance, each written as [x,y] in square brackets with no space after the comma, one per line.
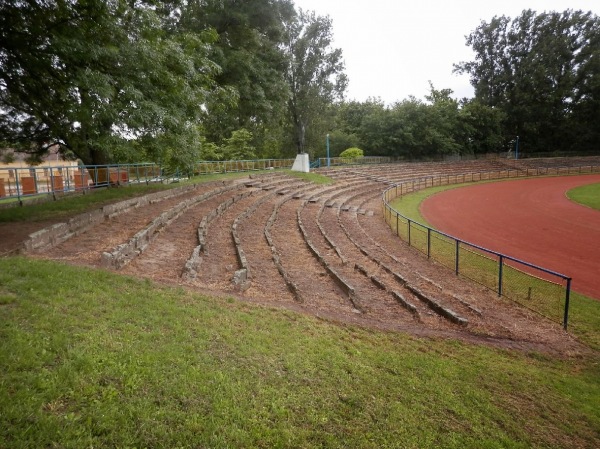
[68,180]
[408,230]
[428,242]
[456,256]
[52,183]
[567,299]
[500,270]
[17,185]
[397,224]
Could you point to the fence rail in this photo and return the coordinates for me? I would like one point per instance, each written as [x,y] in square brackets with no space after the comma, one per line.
[365,160]
[25,182]
[22,182]
[539,289]
[208,167]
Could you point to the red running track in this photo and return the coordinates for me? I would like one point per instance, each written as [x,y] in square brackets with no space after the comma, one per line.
[531,220]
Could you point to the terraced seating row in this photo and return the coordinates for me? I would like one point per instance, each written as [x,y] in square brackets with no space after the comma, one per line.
[324,248]
[387,280]
[125,252]
[244,274]
[54,235]
[190,270]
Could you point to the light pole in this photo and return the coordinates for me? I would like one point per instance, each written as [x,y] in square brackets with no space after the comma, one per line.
[328,150]
[517,148]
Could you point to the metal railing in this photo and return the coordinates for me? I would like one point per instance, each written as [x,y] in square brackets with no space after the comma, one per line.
[208,167]
[20,183]
[24,182]
[539,289]
[365,160]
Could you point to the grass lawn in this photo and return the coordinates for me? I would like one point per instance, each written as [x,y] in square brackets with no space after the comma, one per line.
[94,359]
[584,312]
[70,205]
[90,358]
[588,195]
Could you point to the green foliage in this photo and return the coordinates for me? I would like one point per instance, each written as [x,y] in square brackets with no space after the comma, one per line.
[91,76]
[8,157]
[238,147]
[413,129]
[352,152]
[94,359]
[338,142]
[314,73]
[251,61]
[542,72]
[481,128]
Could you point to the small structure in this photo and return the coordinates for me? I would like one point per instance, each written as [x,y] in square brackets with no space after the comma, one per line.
[302,163]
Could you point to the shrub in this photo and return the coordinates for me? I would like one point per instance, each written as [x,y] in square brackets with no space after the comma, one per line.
[352,152]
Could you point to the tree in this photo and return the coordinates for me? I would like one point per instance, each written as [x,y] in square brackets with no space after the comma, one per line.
[248,51]
[481,128]
[338,142]
[238,146]
[101,79]
[542,72]
[315,72]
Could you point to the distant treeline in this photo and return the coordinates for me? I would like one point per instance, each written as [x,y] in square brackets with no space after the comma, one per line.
[186,80]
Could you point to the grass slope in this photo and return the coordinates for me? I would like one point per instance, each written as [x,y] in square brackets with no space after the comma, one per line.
[94,359]
[584,312]
[588,195]
[73,204]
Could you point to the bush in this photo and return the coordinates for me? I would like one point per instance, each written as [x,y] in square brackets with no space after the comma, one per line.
[352,152]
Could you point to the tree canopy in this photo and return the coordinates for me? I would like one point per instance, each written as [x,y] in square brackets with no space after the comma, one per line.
[93,75]
[543,72]
[177,81]
[314,72]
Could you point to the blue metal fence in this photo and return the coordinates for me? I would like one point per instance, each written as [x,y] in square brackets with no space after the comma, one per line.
[23,182]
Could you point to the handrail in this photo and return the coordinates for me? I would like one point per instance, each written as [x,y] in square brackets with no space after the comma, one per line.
[413,185]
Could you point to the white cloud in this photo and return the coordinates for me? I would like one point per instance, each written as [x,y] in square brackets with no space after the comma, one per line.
[393,48]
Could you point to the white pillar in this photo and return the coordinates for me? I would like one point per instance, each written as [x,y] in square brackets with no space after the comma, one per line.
[301,163]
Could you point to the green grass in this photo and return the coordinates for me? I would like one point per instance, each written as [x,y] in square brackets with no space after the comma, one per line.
[74,204]
[546,298]
[70,205]
[93,359]
[588,195]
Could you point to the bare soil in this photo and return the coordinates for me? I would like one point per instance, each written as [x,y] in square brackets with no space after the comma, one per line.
[344,224]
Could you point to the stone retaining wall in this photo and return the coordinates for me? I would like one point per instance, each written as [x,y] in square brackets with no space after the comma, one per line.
[56,234]
[124,253]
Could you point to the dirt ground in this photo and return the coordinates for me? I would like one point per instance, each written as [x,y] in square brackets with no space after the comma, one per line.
[329,254]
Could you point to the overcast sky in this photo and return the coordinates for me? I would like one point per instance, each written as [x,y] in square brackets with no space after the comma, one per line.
[392,48]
